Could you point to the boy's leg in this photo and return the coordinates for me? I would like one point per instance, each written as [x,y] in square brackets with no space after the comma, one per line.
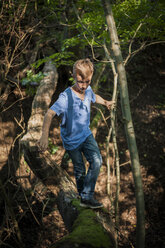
[79,167]
[93,156]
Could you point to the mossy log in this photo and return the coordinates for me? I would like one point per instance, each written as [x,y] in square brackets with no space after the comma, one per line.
[87,228]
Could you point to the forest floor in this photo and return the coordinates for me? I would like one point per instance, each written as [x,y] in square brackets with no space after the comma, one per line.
[35,209]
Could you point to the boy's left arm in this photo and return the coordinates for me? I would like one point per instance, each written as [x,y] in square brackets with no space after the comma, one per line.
[108,104]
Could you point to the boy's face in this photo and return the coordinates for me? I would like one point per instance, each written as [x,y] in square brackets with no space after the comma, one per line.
[82,83]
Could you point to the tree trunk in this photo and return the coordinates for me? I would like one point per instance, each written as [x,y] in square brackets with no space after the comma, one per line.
[130,134]
[87,228]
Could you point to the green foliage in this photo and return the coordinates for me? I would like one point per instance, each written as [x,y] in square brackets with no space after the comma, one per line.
[52,148]
[71,79]
[31,77]
[73,28]
[83,26]
[71,42]
[129,14]
[32,81]
[91,23]
[61,58]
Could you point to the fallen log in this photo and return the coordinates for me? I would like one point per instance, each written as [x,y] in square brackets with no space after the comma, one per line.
[87,228]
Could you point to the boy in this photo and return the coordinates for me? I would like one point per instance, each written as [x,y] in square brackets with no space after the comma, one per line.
[73,105]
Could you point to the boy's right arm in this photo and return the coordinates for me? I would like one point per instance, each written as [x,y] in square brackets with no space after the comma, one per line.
[43,141]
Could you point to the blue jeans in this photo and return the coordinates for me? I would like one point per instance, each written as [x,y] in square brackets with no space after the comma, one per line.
[86,181]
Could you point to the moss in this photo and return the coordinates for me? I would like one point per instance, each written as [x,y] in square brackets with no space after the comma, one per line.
[87,231]
[76,203]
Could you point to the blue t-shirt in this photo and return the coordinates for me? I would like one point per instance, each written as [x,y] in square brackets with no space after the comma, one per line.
[77,116]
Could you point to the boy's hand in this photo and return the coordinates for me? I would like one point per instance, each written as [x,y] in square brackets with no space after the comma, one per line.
[42,143]
[110,104]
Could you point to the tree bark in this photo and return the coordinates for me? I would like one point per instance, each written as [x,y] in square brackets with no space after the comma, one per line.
[129,129]
[86,227]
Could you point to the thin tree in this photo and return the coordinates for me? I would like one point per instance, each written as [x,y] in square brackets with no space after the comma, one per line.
[127,119]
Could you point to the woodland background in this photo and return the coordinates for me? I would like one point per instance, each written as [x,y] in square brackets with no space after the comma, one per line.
[32,33]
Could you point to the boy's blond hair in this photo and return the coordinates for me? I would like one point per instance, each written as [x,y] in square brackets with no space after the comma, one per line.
[83,67]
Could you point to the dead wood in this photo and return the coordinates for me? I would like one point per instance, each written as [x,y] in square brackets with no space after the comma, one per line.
[4,96]
[40,104]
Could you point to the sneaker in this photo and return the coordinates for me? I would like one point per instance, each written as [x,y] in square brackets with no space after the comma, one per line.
[92,203]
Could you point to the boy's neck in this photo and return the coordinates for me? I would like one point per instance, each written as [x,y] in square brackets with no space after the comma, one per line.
[75,88]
